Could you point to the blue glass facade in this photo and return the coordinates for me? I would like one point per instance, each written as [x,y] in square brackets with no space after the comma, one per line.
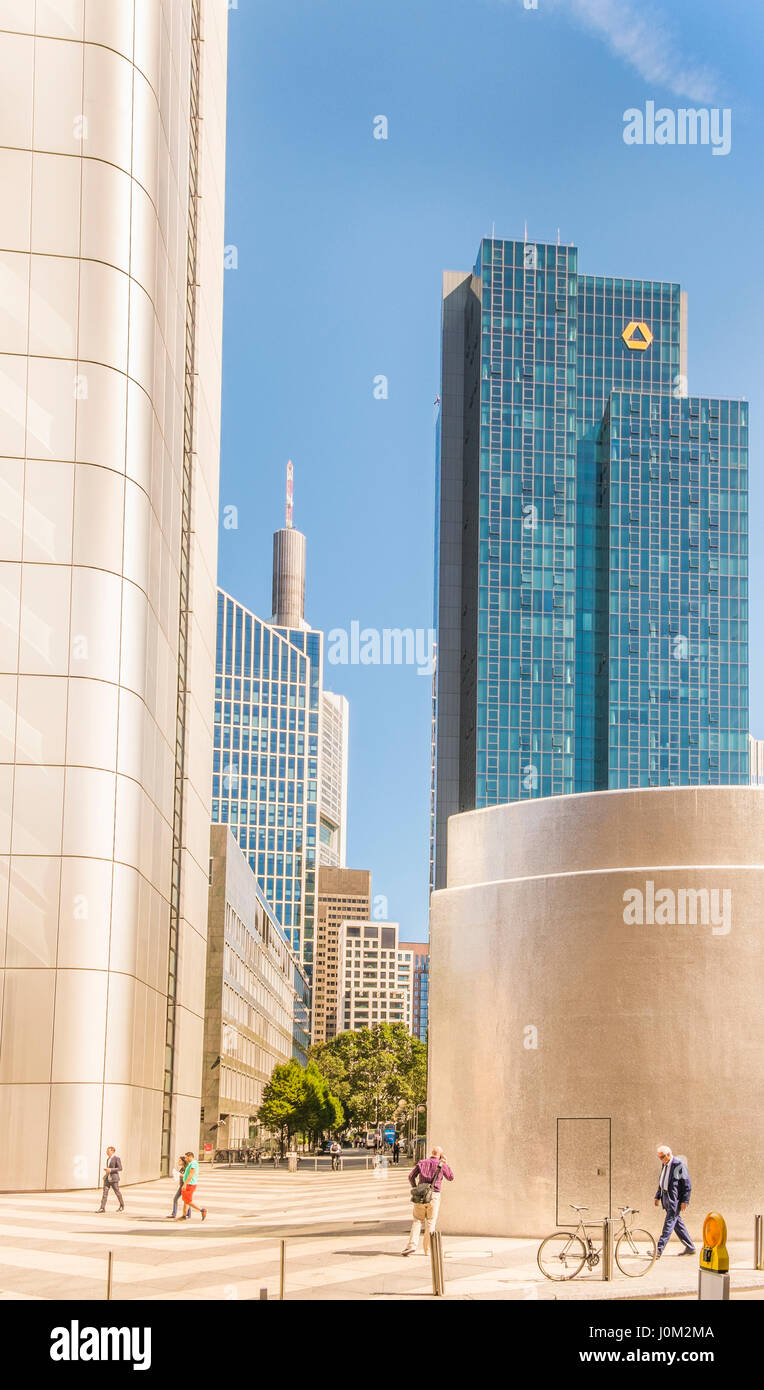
[526,573]
[604,364]
[591,536]
[421,990]
[265,759]
[674,487]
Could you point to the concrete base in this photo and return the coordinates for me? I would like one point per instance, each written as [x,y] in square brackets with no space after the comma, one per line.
[596,989]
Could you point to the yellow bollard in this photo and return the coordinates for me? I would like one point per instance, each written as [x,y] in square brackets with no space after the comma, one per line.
[713,1274]
[714,1253]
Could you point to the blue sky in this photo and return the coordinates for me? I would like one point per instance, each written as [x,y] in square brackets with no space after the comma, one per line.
[497,115]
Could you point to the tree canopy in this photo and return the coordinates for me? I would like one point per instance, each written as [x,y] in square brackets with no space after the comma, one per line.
[297,1100]
[375,1072]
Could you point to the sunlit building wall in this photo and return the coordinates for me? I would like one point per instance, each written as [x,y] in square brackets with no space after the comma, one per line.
[112,164]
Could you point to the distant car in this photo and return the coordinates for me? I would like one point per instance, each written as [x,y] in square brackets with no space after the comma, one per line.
[327,1146]
[371,1140]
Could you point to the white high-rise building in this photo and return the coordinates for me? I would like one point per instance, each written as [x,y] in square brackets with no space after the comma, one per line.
[332,827]
[756,761]
[112,153]
[375,976]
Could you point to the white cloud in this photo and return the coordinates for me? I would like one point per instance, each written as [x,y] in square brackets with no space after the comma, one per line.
[640,34]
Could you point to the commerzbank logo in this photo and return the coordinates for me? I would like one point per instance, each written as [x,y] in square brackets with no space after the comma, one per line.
[637,336]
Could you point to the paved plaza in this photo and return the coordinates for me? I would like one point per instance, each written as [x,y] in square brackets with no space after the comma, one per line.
[344,1234]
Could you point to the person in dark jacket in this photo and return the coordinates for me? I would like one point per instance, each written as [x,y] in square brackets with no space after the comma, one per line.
[111,1178]
[674,1188]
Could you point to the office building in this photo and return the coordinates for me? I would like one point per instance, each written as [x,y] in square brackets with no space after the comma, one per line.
[257,1005]
[595,957]
[591,548]
[420,989]
[112,163]
[332,823]
[375,976]
[344,895]
[270,721]
[264,781]
[289,619]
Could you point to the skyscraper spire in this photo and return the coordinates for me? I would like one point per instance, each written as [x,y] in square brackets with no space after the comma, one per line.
[289,493]
[289,566]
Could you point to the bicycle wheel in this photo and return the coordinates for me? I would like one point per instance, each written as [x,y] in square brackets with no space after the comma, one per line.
[561,1255]
[635,1253]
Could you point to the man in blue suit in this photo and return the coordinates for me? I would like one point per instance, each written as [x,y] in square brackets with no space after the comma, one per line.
[674,1188]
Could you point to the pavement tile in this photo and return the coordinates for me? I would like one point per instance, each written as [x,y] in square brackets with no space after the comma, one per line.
[344,1233]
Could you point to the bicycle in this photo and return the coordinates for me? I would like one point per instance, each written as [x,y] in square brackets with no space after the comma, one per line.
[564,1254]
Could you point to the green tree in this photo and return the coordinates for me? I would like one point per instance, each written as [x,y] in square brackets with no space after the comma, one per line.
[282,1098]
[297,1100]
[319,1110]
[377,1073]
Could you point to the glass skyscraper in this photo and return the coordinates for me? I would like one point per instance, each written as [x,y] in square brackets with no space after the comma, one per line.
[421,989]
[265,759]
[270,715]
[591,546]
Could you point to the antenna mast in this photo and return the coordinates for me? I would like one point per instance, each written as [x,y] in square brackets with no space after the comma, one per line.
[289,493]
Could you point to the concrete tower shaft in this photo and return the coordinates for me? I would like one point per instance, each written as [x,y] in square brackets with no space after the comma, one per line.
[288,578]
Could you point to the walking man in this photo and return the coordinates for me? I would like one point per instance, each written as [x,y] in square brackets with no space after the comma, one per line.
[190,1179]
[396,1150]
[674,1188]
[426,1178]
[111,1178]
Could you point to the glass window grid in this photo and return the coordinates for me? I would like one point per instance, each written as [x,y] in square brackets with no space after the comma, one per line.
[265,759]
[543,721]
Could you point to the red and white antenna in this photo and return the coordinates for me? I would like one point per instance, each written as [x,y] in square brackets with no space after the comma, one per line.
[289,493]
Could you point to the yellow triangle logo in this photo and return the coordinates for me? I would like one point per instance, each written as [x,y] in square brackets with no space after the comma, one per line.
[637,336]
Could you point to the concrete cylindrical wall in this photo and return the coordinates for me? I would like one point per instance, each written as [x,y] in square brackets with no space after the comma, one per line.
[559,1018]
[288,578]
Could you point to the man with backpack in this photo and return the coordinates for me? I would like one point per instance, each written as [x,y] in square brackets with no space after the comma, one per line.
[426,1178]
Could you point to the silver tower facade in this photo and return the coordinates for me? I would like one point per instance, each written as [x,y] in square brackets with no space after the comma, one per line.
[112,150]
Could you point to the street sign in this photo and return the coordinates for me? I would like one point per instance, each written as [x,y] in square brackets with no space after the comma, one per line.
[389,1133]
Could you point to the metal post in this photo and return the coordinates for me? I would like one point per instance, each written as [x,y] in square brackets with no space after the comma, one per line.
[282,1268]
[607,1248]
[263,1295]
[758,1242]
[436,1263]
[713,1285]
[315,1165]
[109,1271]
